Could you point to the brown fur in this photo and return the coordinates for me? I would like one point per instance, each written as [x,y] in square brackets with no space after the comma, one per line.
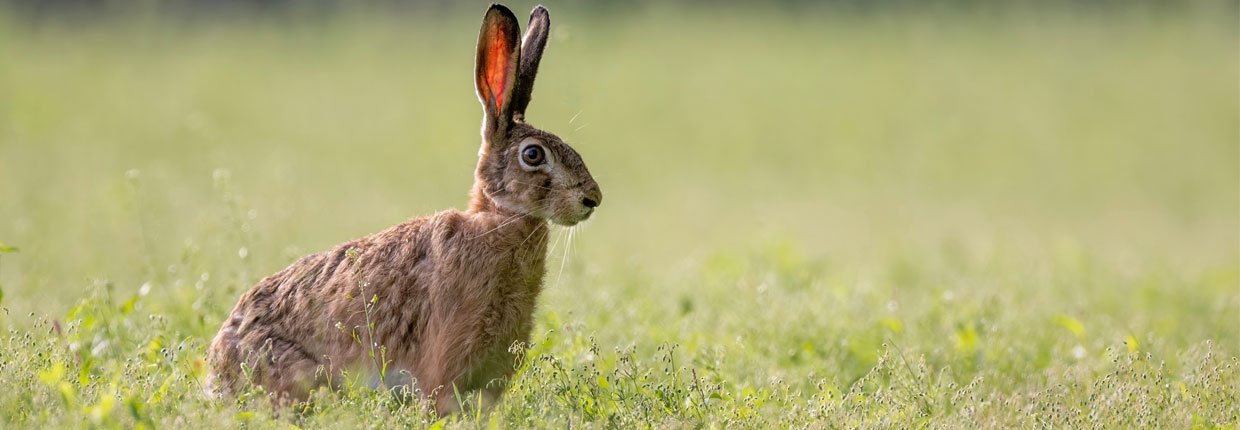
[438,300]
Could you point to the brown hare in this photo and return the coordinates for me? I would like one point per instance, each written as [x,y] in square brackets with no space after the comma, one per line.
[434,302]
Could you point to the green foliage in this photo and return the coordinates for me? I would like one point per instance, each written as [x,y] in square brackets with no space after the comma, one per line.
[905,219]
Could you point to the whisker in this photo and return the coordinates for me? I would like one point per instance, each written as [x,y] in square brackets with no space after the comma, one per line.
[564,259]
[533,185]
[546,231]
[555,244]
[503,223]
[512,219]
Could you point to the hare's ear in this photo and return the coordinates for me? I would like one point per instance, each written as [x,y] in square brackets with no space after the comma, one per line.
[495,69]
[531,53]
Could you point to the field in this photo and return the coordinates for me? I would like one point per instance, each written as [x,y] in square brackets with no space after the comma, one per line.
[1004,217]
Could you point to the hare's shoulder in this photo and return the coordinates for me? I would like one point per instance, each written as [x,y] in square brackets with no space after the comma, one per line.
[450,232]
[387,253]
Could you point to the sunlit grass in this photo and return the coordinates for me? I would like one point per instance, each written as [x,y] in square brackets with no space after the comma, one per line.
[820,218]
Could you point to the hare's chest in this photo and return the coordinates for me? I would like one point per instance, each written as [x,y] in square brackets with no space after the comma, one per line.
[512,307]
[507,325]
[507,329]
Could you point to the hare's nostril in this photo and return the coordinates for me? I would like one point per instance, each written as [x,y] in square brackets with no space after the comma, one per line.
[589,202]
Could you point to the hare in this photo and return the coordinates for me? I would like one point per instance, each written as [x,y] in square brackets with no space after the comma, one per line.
[434,302]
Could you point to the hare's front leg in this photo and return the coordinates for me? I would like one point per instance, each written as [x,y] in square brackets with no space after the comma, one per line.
[455,348]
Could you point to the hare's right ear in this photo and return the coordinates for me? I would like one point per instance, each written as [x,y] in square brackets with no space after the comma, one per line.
[495,70]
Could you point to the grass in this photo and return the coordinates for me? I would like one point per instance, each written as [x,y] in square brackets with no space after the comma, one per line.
[901,218]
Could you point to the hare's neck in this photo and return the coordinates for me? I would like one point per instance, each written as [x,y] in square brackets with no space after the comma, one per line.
[525,234]
[523,239]
[529,231]
[479,201]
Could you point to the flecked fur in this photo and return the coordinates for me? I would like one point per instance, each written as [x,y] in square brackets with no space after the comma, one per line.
[439,299]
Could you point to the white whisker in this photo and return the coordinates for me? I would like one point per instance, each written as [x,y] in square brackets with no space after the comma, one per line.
[564,258]
[532,185]
[555,243]
[546,231]
[503,223]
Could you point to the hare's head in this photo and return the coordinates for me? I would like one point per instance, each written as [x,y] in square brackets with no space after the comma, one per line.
[523,169]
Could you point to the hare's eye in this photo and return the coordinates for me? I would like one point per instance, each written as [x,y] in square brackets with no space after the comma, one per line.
[533,155]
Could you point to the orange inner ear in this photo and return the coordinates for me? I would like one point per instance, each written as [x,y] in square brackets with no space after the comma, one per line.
[498,62]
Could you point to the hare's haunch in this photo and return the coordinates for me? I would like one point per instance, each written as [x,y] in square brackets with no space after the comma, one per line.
[436,302]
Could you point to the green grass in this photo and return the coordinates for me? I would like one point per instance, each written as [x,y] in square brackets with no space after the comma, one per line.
[816,219]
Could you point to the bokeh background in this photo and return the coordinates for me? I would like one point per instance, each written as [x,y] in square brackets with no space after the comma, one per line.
[1010,190]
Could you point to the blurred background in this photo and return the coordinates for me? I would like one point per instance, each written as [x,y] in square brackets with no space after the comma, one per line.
[1013,194]
[896,150]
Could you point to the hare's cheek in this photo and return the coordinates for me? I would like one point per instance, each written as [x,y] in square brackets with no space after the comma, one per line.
[537,185]
[566,205]
[523,196]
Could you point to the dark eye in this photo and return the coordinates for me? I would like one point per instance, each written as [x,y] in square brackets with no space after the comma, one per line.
[533,155]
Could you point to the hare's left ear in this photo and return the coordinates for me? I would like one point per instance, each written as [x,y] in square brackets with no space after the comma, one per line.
[531,53]
[495,70]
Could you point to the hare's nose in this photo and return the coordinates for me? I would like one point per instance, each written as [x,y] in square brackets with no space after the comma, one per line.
[593,198]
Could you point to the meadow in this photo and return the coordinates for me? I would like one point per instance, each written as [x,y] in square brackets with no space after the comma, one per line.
[1002,217]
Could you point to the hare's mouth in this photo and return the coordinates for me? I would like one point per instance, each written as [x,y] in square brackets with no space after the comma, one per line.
[569,220]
